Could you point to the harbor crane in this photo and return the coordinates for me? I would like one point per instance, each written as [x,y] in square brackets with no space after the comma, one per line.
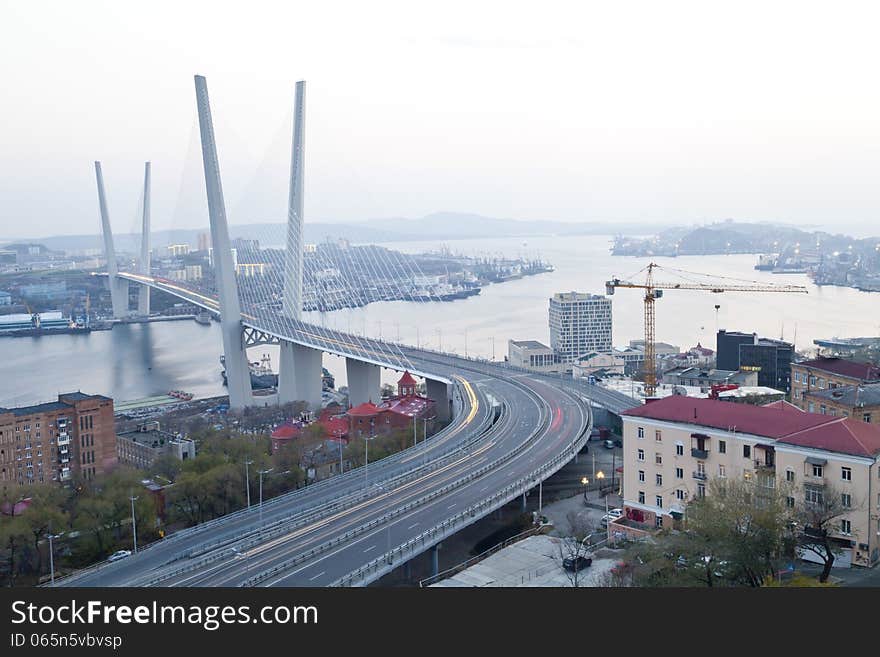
[654,290]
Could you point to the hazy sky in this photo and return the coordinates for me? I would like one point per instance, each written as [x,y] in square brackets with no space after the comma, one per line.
[666,111]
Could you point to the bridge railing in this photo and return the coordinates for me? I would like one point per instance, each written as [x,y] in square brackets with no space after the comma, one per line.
[470,513]
[385,563]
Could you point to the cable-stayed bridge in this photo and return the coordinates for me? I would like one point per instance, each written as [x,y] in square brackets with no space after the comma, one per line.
[509,430]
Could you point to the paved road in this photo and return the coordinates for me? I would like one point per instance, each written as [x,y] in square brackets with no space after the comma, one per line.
[316,536]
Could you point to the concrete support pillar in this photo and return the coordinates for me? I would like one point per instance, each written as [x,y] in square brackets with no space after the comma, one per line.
[299,377]
[524,502]
[364,382]
[118,287]
[439,392]
[238,378]
[144,290]
[435,560]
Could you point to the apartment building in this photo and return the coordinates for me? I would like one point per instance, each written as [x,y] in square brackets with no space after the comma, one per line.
[860,402]
[57,441]
[826,374]
[674,446]
[531,355]
[580,323]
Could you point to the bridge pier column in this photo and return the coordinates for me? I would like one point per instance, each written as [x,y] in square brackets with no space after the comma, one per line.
[299,376]
[439,392]
[524,502]
[435,560]
[364,382]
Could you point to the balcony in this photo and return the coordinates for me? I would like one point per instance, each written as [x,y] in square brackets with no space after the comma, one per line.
[65,474]
[702,454]
[702,476]
[63,438]
[63,458]
[767,464]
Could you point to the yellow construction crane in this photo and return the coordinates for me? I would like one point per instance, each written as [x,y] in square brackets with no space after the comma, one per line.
[654,290]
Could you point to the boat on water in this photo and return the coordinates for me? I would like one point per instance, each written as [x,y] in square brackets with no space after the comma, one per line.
[262,376]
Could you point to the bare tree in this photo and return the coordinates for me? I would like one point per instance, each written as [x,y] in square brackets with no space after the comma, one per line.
[818,516]
[575,545]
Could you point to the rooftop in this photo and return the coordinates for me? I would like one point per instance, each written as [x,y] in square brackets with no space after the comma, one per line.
[529,344]
[843,367]
[833,434]
[865,395]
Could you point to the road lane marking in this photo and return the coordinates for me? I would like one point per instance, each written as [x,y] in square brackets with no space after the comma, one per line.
[312,579]
[415,524]
[369,548]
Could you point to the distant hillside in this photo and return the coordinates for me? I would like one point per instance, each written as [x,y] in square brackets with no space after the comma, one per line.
[437,226]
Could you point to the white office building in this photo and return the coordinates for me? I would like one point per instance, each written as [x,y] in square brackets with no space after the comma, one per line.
[580,323]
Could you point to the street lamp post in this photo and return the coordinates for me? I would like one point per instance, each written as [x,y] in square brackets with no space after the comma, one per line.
[134,533]
[465,343]
[367,453]
[585,481]
[388,552]
[51,536]
[439,340]
[599,477]
[247,482]
[262,472]
[492,340]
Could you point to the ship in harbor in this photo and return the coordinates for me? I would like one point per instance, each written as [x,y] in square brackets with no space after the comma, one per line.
[262,376]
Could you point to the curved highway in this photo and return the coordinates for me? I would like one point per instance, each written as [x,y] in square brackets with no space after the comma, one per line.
[511,430]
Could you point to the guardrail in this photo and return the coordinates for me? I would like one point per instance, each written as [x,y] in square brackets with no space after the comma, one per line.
[358,492]
[449,572]
[383,563]
[470,512]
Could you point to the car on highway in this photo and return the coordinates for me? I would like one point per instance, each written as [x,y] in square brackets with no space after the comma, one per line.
[119,554]
[575,564]
[612,514]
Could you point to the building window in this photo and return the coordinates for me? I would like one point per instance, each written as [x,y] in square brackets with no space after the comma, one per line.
[641,475]
[846,474]
[641,455]
[679,473]
[797,377]
[812,407]
[789,502]
[822,409]
[658,437]
[641,432]
[658,522]
[679,450]
[866,417]
[812,380]
[658,458]
[845,527]
[747,451]
[846,500]
[641,497]
[658,499]
[789,474]
[813,495]
[721,471]
[658,479]
[679,494]
[818,471]
[722,447]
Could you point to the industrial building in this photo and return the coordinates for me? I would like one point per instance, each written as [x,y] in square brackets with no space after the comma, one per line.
[531,355]
[141,447]
[580,323]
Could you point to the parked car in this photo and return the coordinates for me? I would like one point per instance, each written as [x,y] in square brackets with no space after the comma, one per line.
[613,514]
[575,564]
[618,442]
[609,444]
[119,554]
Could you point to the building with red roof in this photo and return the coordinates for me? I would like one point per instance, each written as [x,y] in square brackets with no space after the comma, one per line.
[823,374]
[392,413]
[673,448]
